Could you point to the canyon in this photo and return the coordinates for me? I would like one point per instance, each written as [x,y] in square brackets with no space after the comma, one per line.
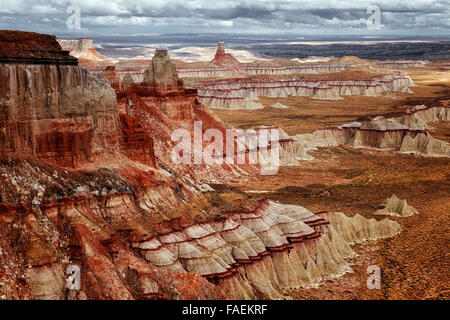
[88,179]
[225,83]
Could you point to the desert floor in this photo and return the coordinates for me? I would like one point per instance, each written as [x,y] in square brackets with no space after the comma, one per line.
[414,264]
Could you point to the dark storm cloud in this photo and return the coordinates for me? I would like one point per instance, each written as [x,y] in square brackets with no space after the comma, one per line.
[269,16]
[241,11]
[347,14]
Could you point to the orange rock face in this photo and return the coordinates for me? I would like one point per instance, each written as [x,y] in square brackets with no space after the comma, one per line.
[136,144]
[58,112]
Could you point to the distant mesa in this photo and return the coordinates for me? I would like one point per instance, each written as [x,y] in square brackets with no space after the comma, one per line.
[82,48]
[384,50]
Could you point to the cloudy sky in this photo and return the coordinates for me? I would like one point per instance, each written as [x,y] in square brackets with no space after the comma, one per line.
[299,17]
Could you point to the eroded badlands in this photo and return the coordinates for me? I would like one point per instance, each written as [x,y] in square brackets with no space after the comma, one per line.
[87,177]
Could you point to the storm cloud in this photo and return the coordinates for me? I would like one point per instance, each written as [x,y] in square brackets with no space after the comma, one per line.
[251,16]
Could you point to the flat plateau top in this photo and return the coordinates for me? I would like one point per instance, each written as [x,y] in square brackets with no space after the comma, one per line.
[32,48]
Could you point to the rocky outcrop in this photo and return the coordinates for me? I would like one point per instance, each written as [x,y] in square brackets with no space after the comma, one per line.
[203,71]
[135,142]
[32,48]
[57,112]
[225,64]
[278,78]
[255,68]
[162,105]
[421,116]
[111,74]
[258,253]
[276,142]
[62,114]
[358,229]
[161,76]
[162,89]
[397,208]
[279,68]
[128,245]
[407,134]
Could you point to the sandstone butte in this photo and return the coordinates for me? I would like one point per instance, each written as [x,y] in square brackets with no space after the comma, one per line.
[87,180]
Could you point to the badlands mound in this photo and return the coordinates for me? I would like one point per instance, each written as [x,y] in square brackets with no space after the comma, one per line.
[397,208]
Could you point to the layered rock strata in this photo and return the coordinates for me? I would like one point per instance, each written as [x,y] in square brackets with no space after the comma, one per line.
[241,93]
[224,64]
[56,112]
[57,118]
[274,139]
[90,185]
[269,79]
[260,253]
[225,60]
[161,105]
[407,134]
[32,48]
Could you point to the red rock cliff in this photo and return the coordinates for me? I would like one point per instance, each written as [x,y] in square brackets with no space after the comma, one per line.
[53,109]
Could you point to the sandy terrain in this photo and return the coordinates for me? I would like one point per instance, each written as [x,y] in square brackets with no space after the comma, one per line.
[415,264]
